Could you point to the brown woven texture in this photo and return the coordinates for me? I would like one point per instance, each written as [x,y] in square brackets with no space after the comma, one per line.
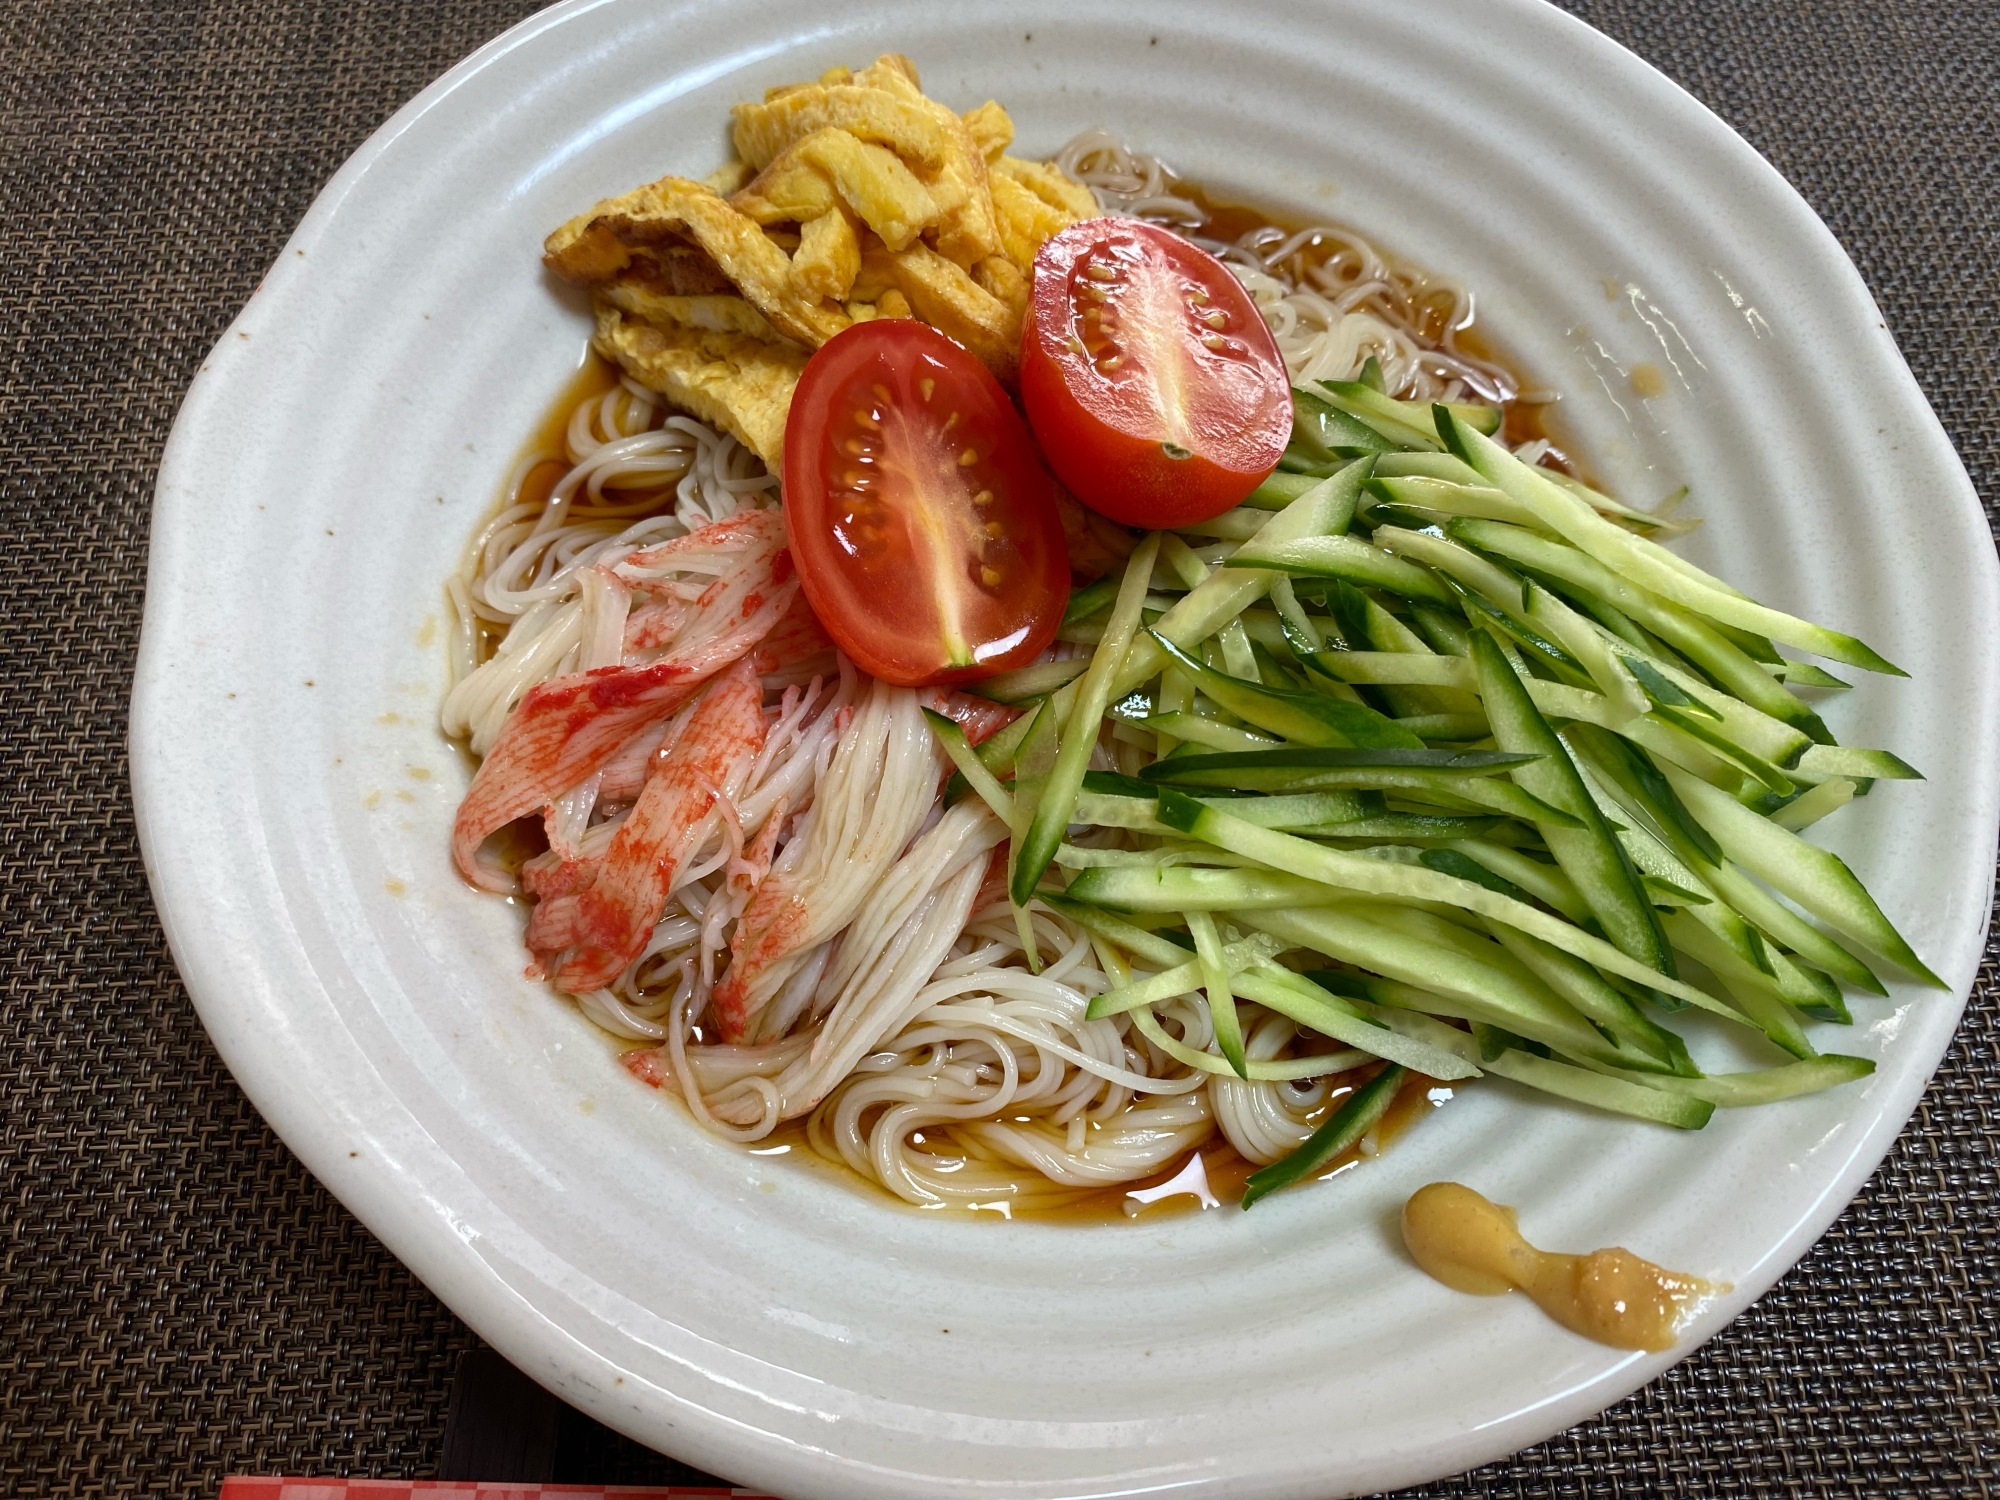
[179,1299]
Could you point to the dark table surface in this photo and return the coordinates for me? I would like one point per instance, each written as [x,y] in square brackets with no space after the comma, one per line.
[180,1300]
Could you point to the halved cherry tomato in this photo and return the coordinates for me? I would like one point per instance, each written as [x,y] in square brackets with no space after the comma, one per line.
[921,519]
[1150,377]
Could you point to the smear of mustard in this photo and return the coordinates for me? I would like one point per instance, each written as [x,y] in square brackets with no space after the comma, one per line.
[1474,1245]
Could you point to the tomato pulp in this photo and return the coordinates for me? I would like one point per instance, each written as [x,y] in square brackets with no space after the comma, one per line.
[1155,387]
[923,524]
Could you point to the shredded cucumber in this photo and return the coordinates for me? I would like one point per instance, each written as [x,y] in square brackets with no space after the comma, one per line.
[1357,1115]
[1489,749]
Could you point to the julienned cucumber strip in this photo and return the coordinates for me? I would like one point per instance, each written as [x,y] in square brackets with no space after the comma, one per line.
[1310,761]
[1323,432]
[997,751]
[1279,490]
[1645,563]
[1221,999]
[1546,883]
[1662,689]
[1823,762]
[1336,1134]
[1119,802]
[1430,774]
[1553,699]
[1735,891]
[1183,978]
[1815,878]
[1303,718]
[1032,765]
[1545,616]
[1755,992]
[962,755]
[1211,734]
[1089,600]
[1581,1086]
[1589,855]
[1756,765]
[1412,414]
[1398,882]
[1510,1001]
[1764,1086]
[1205,1062]
[1659,519]
[1635,770]
[1761,733]
[1270,986]
[1345,557]
[1600,1004]
[1299,999]
[1397,669]
[1707,647]
[1136,940]
[1424,829]
[1080,730]
[1104,810]
[1032,681]
[1195,888]
[1429,963]
[1812,993]
[1809,807]
[1323,510]
[1805,674]
[1389,423]
[1077,857]
[1447,499]
[1465,867]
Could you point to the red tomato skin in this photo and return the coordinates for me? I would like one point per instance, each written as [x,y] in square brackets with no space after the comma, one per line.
[879,622]
[1126,474]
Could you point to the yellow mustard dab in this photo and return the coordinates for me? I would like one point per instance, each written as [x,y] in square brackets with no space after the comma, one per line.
[1473,1245]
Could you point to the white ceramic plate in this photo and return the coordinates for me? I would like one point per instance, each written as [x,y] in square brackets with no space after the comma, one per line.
[757,1319]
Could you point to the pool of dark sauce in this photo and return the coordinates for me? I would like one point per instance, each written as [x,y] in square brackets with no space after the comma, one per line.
[1223,1170]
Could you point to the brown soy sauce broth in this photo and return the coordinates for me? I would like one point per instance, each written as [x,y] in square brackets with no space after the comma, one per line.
[594,377]
[1225,1169]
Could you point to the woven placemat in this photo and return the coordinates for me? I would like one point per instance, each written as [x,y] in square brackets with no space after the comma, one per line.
[179,1299]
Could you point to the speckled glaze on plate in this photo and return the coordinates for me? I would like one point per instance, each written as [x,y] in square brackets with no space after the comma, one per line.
[765,1322]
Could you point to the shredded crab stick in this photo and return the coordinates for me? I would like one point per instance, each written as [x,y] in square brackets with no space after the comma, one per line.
[566,730]
[585,936]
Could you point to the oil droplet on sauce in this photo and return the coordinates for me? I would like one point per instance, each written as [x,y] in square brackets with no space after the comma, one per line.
[1473,1245]
[1648,381]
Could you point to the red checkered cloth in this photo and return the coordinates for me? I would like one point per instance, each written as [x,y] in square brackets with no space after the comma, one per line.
[259,1487]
